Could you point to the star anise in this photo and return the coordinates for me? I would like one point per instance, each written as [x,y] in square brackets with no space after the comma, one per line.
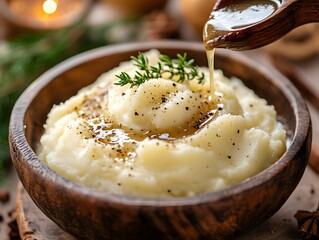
[308,223]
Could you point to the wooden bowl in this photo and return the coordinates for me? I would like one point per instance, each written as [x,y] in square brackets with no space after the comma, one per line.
[91,214]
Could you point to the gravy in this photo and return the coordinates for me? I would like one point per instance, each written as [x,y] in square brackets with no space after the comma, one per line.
[231,18]
[234,17]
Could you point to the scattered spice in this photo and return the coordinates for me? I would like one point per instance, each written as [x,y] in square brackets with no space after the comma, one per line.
[4,197]
[14,231]
[164,99]
[308,223]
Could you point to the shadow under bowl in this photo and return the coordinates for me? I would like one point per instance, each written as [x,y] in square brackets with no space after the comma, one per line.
[91,214]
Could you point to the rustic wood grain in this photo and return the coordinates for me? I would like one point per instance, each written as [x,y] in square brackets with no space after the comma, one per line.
[94,215]
[281,226]
[33,224]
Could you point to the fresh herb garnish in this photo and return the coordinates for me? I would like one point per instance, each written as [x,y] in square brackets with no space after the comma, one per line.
[180,68]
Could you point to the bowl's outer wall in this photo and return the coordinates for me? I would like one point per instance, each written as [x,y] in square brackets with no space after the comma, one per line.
[92,215]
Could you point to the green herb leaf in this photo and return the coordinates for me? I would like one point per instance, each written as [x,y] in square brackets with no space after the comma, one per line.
[181,68]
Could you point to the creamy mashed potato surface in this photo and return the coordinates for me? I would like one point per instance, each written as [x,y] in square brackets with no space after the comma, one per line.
[163,138]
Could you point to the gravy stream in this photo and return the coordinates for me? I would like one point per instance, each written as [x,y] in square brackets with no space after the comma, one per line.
[210,59]
[231,18]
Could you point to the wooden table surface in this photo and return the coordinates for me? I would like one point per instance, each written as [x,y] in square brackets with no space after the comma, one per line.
[34,224]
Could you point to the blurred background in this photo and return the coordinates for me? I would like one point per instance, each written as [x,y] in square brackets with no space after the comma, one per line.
[35,35]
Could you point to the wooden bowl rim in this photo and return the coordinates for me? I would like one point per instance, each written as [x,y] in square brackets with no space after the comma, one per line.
[14,19]
[17,127]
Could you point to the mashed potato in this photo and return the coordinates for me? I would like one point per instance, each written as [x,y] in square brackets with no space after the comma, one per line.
[163,138]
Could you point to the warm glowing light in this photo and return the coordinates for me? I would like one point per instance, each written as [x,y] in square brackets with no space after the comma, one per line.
[49,6]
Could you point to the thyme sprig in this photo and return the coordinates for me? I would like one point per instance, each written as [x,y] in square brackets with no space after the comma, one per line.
[179,68]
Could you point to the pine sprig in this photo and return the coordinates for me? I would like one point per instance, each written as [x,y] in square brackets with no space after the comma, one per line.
[179,68]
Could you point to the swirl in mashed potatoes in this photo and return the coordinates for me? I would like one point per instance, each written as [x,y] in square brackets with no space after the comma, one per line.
[162,138]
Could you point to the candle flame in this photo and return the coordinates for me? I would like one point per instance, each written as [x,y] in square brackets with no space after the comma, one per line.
[49,6]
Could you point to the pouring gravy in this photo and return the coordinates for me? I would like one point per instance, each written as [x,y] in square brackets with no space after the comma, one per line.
[229,19]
